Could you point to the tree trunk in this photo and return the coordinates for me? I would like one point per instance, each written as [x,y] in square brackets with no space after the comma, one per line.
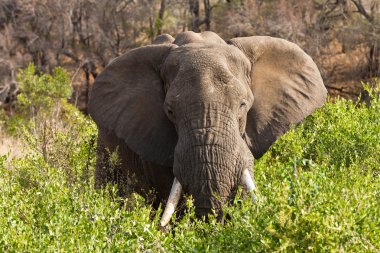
[374,60]
[374,52]
[207,19]
[161,17]
[194,10]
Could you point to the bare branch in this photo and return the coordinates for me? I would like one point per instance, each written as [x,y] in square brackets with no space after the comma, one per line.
[361,10]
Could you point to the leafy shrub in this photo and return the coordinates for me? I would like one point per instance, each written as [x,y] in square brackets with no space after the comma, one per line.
[50,126]
[319,191]
[42,92]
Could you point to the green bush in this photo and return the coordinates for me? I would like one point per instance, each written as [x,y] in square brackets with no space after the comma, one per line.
[50,127]
[42,92]
[319,192]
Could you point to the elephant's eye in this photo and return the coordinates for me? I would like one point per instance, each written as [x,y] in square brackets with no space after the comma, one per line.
[242,104]
[169,111]
[171,114]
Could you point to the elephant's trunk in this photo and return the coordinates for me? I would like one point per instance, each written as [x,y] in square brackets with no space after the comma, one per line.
[210,156]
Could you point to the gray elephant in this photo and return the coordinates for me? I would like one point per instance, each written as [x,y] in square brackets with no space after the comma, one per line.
[187,115]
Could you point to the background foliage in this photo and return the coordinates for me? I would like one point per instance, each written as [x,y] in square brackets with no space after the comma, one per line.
[318,188]
[342,36]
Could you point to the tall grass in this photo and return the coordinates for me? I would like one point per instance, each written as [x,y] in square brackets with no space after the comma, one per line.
[319,191]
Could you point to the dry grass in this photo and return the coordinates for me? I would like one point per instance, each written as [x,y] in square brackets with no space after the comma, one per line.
[10,146]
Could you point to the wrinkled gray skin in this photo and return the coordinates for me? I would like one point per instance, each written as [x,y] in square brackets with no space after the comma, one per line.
[197,108]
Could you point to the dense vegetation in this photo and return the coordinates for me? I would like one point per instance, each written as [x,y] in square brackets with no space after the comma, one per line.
[319,187]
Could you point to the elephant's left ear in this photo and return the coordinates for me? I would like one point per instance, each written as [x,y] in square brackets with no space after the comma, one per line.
[286,85]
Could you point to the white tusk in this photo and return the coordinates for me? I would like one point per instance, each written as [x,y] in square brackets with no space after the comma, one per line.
[172,203]
[248,182]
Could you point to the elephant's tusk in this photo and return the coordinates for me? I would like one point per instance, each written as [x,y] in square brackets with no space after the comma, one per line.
[172,203]
[248,182]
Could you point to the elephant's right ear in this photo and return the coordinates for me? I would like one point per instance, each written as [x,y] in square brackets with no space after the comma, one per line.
[127,98]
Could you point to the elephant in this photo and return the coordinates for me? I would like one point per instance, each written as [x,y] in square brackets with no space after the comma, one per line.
[188,115]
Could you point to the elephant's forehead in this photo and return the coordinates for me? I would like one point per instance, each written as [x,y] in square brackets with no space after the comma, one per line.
[206,57]
[209,71]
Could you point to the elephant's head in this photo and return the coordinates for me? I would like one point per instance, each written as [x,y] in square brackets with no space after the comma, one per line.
[204,107]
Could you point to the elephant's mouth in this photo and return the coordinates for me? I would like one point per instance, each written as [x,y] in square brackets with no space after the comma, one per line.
[176,192]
